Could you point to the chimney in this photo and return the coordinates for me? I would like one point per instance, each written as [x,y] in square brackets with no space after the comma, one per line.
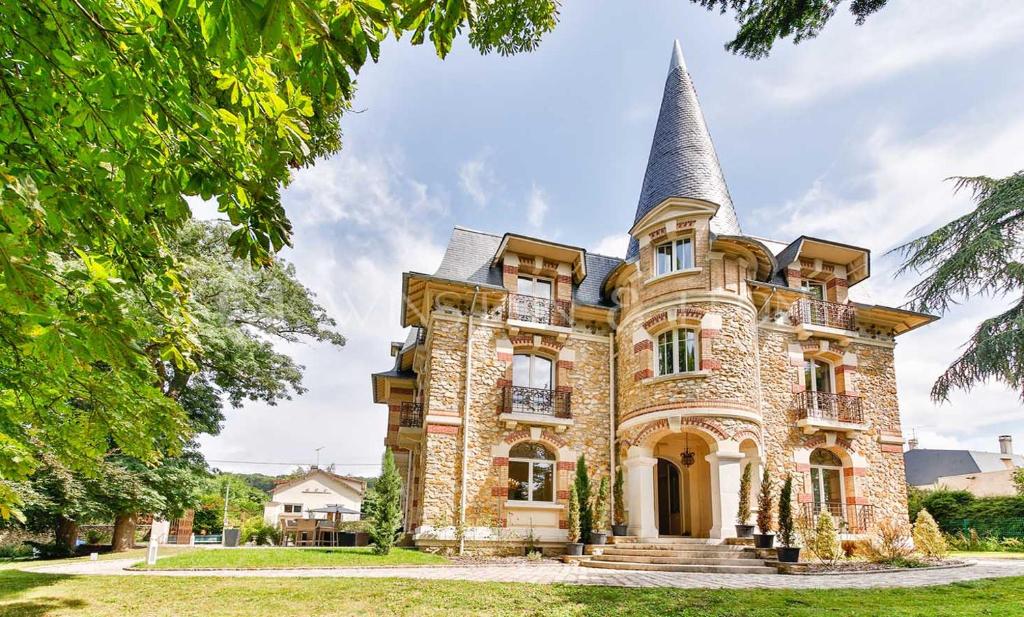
[912,443]
[1006,447]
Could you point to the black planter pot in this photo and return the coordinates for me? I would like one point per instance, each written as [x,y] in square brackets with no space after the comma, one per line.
[619,530]
[744,531]
[788,554]
[574,548]
[598,537]
[764,540]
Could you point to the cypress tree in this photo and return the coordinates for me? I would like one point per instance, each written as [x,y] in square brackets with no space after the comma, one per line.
[387,506]
[582,488]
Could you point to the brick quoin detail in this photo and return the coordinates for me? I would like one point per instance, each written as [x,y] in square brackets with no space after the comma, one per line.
[710,364]
[563,524]
[395,408]
[566,466]
[892,448]
[803,467]
[564,280]
[858,501]
[504,356]
[804,498]
[566,364]
[836,282]
[499,461]
[563,388]
[510,270]
[709,333]
[643,345]
[798,388]
[656,319]
[393,427]
[442,429]
[499,491]
[563,495]
[854,471]
[643,374]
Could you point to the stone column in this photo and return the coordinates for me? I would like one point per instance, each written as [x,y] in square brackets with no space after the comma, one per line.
[640,492]
[726,468]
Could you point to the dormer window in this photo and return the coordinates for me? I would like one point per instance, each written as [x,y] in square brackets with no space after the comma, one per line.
[815,288]
[534,286]
[674,256]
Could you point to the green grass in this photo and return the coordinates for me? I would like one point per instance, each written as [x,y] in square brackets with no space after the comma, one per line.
[36,595]
[294,558]
[986,555]
[138,553]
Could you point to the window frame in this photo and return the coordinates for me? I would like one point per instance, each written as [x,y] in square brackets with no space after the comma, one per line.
[808,285]
[530,462]
[534,280]
[674,254]
[821,468]
[813,385]
[551,373]
[293,506]
[674,351]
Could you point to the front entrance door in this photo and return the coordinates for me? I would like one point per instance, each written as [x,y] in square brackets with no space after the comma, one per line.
[670,521]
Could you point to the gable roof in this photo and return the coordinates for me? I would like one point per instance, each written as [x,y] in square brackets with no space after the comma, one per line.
[683,161]
[925,466]
[355,484]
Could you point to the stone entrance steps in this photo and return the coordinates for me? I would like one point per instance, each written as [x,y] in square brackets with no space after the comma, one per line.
[677,555]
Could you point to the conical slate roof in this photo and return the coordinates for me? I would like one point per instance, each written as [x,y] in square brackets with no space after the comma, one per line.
[683,162]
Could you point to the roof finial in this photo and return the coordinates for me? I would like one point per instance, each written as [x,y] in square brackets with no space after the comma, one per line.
[677,57]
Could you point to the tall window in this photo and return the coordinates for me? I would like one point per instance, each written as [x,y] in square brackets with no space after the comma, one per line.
[531,473]
[677,351]
[817,376]
[815,288]
[827,482]
[532,371]
[674,256]
[533,286]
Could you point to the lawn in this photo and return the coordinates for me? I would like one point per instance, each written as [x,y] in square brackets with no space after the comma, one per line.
[986,555]
[294,558]
[37,595]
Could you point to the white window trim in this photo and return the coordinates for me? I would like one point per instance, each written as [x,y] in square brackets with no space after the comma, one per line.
[821,484]
[675,353]
[529,480]
[674,244]
[535,279]
[806,284]
[551,378]
[831,374]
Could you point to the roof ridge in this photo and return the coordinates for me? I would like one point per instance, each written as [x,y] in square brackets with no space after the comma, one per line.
[477,231]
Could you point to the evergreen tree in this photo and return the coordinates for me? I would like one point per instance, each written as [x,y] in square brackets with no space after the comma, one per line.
[619,514]
[978,254]
[743,513]
[825,540]
[582,488]
[601,505]
[573,518]
[928,538]
[786,512]
[764,504]
[387,506]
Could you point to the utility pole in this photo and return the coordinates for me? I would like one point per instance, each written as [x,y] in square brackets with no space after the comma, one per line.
[318,456]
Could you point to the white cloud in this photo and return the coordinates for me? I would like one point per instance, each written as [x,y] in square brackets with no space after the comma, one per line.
[477,179]
[614,245]
[536,206]
[359,223]
[901,37]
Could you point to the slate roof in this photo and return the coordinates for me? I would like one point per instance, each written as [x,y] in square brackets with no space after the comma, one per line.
[925,466]
[470,254]
[683,161]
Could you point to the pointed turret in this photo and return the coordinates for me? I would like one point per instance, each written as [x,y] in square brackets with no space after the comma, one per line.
[683,162]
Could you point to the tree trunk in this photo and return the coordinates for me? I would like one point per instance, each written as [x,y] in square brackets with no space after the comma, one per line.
[124,532]
[66,534]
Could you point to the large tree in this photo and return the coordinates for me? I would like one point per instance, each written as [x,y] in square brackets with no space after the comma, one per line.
[979,254]
[762,22]
[111,114]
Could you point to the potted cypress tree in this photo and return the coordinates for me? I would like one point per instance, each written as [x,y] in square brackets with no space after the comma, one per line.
[582,489]
[597,536]
[787,552]
[744,530]
[619,515]
[765,539]
[574,547]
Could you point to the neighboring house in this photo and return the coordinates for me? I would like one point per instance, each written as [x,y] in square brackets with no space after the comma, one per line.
[317,490]
[984,474]
[702,351]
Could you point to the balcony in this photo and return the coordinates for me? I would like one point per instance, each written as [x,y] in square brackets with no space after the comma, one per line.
[849,518]
[411,415]
[823,319]
[825,410]
[539,314]
[536,406]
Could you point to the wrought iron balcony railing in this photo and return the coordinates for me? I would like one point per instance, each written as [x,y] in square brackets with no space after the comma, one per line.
[822,313]
[411,415]
[849,518]
[537,401]
[539,310]
[829,406]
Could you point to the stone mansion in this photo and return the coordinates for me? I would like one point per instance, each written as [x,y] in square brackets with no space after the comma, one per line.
[702,350]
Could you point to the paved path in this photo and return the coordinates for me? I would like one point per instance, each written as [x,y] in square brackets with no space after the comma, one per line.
[575,575]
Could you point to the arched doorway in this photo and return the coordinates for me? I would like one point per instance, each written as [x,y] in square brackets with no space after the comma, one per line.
[670,514]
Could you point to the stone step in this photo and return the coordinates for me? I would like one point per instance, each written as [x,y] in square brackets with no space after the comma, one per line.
[675,547]
[689,554]
[687,561]
[667,567]
[664,540]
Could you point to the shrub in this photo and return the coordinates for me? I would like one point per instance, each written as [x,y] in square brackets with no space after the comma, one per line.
[824,541]
[573,517]
[601,504]
[10,552]
[743,513]
[764,503]
[888,543]
[93,536]
[259,532]
[582,488]
[387,507]
[928,539]
[619,514]
[786,528]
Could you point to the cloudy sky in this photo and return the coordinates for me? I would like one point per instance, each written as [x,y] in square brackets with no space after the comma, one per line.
[848,136]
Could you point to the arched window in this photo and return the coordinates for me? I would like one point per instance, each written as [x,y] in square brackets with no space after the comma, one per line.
[827,483]
[678,352]
[531,473]
[532,371]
